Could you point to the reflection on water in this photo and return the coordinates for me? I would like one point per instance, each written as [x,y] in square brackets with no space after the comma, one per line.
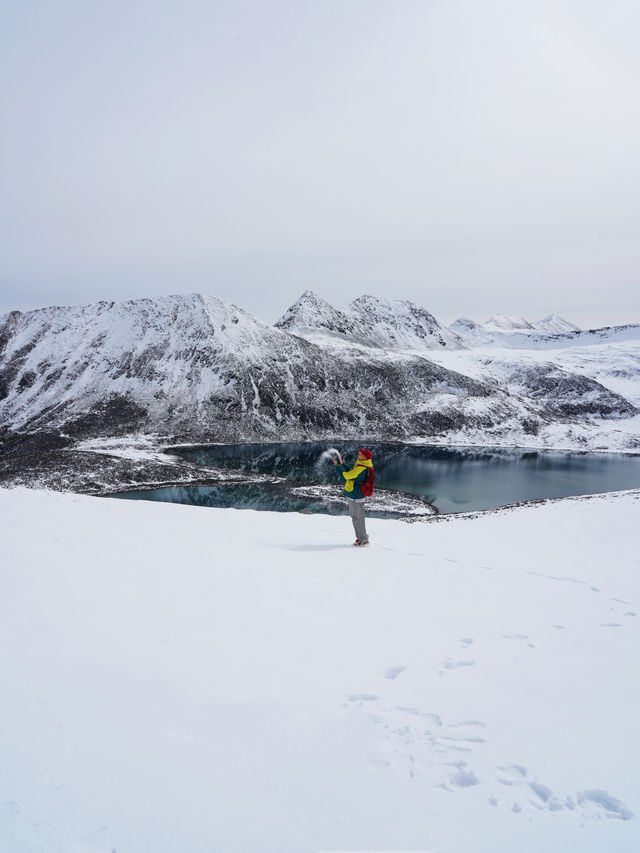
[245,496]
[453,479]
[260,496]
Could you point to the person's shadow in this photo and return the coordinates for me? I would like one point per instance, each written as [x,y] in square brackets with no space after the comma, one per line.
[312,547]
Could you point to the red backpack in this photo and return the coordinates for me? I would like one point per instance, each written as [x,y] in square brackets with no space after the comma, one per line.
[367,487]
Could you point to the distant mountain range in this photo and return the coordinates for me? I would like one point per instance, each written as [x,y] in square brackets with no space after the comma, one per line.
[552,323]
[200,369]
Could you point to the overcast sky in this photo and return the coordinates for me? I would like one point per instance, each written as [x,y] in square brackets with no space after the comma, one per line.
[473,157]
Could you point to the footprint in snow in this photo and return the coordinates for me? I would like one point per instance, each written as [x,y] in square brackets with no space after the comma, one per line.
[394,671]
[415,743]
[598,803]
[563,579]
[361,697]
[463,723]
[512,773]
[466,641]
[546,797]
[464,778]
[420,743]
[425,716]
[593,804]
[452,663]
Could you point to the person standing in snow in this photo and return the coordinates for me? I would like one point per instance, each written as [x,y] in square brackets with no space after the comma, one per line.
[358,486]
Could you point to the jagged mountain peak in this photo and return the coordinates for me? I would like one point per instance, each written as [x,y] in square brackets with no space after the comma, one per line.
[504,321]
[396,308]
[169,323]
[143,311]
[555,323]
[310,299]
[307,310]
[153,351]
[552,323]
[464,323]
[310,313]
[401,324]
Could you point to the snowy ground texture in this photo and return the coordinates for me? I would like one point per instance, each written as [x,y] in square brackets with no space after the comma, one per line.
[185,679]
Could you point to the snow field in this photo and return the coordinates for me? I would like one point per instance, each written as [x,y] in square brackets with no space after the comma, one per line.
[177,678]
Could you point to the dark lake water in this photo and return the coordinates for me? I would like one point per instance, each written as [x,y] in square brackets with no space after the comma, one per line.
[452,479]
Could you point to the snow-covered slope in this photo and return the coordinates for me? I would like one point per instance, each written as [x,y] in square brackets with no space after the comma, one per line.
[155,360]
[472,333]
[186,679]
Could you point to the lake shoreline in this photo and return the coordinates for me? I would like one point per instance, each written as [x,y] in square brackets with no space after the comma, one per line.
[105,466]
[411,479]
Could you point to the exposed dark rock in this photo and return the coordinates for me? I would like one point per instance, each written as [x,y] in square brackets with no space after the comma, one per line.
[22,444]
[570,395]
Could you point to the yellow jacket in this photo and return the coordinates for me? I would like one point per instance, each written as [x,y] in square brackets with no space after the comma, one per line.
[355,477]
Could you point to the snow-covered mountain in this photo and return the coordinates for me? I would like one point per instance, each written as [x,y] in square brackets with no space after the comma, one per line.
[502,321]
[386,323]
[312,317]
[472,333]
[551,333]
[195,366]
[555,323]
[399,324]
[551,323]
[199,369]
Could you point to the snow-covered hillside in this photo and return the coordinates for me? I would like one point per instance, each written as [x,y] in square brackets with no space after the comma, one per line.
[198,369]
[610,357]
[185,679]
[197,366]
[540,335]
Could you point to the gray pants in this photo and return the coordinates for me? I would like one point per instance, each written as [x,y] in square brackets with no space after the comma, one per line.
[356,511]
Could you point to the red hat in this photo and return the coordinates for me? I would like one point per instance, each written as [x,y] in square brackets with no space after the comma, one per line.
[366,453]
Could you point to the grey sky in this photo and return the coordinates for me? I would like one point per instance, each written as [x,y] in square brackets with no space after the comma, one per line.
[473,157]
